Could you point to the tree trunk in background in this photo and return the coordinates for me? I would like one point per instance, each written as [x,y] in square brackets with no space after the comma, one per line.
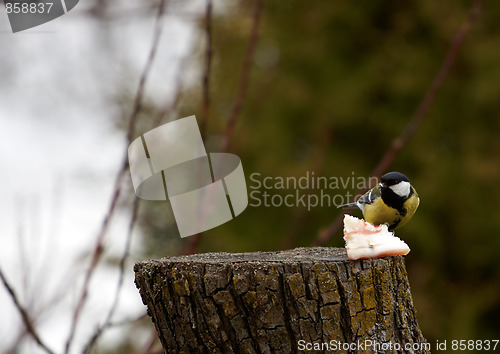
[279,302]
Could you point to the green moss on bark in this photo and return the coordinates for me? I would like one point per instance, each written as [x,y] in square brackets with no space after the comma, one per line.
[267,302]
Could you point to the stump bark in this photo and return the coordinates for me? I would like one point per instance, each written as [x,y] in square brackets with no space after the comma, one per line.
[280,302]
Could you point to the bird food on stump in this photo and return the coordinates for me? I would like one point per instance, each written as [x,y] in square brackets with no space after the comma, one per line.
[267,302]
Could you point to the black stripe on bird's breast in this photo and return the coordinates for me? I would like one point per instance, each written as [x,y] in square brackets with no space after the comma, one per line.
[394,224]
[394,201]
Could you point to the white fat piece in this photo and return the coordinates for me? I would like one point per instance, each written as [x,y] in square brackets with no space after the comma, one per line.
[402,188]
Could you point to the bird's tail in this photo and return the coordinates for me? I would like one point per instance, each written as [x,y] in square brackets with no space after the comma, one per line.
[349,206]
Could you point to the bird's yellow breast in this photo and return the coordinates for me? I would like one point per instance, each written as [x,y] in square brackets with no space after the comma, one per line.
[379,213]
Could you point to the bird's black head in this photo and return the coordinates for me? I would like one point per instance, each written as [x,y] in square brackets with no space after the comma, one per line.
[393,178]
[395,189]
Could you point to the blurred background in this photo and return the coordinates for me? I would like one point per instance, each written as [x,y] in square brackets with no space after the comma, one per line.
[308,88]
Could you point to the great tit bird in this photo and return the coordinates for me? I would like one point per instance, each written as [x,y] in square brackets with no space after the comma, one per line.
[392,202]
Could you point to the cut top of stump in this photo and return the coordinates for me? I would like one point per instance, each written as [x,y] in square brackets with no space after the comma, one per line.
[316,254]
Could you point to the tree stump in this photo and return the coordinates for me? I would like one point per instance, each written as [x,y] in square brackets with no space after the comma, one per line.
[306,299]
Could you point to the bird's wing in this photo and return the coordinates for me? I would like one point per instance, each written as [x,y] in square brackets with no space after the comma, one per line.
[370,196]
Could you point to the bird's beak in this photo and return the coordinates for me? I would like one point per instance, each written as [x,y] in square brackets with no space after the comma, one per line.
[380,185]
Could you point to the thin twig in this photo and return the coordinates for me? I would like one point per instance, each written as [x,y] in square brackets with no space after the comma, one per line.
[208,67]
[424,107]
[107,322]
[150,343]
[238,103]
[430,95]
[145,73]
[194,242]
[245,76]
[24,314]
[128,321]
[300,216]
[97,253]
[171,105]
[167,108]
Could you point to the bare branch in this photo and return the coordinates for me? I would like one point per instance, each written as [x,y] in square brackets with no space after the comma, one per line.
[127,321]
[117,186]
[413,124]
[238,103]
[151,342]
[96,255]
[107,322]
[245,76]
[323,140]
[195,239]
[145,73]
[167,108]
[24,315]
[208,65]
[431,93]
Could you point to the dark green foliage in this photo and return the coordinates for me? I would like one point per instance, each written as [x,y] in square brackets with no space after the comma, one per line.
[333,83]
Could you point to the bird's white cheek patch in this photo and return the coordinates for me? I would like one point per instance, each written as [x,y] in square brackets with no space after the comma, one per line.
[402,188]
[364,240]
